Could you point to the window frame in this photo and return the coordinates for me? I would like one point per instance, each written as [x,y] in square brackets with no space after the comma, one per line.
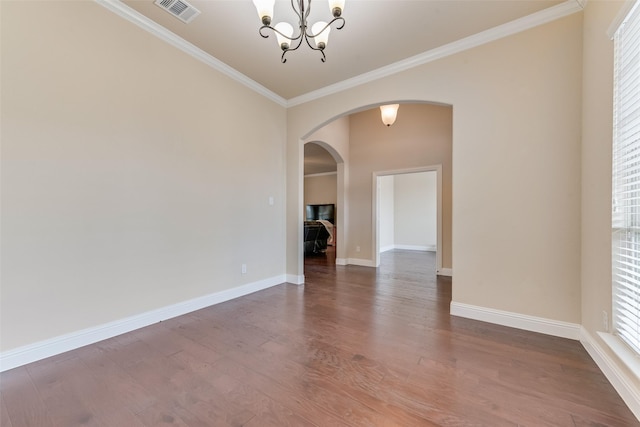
[625,202]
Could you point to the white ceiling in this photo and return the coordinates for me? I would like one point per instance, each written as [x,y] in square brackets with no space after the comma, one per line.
[376,34]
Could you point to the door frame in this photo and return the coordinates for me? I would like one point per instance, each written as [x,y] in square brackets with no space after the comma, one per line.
[375,209]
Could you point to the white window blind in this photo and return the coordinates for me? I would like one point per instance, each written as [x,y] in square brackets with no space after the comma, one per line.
[626,181]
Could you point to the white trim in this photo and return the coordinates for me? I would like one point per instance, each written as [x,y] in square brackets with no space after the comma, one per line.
[516,320]
[445,272]
[30,353]
[525,23]
[162,33]
[582,3]
[361,262]
[539,18]
[295,279]
[620,17]
[420,248]
[342,261]
[312,175]
[428,248]
[624,385]
[623,351]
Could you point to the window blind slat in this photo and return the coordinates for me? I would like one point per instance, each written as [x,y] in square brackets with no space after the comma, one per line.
[626,182]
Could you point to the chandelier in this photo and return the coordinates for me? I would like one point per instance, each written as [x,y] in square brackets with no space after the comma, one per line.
[284,31]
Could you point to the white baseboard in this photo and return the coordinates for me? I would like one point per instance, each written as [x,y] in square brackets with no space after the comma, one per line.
[445,272]
[515,320]
[361,262]
[295,279]
[342,261]
[416,248]
[428,248]
[40,350]
[625,386]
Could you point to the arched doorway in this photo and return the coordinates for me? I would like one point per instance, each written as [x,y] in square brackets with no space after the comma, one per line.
[324,163]
[359,231]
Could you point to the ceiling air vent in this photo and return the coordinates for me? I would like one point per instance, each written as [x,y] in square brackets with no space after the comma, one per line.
[180,9]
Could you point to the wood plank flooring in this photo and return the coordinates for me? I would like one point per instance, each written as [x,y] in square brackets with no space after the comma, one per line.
[355,346]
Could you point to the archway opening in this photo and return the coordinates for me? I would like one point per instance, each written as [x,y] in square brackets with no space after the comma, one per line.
[421,138]
[323,200]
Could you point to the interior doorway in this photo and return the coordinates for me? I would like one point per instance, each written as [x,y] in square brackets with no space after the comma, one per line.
[322,201]
[407,205]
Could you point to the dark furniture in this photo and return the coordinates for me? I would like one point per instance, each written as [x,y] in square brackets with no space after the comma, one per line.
[315,237]
[316,212]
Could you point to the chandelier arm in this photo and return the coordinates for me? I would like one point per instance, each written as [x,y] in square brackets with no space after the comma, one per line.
[299,39]
[340,18]
[266,36]
[306,38]
[284,52]
[324,57]
[279,32]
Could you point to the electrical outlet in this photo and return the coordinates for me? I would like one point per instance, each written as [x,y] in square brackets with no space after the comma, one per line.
[244,268]
[605,320]
[357,248]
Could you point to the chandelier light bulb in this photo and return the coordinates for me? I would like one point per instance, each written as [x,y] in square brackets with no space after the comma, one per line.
[287,31]
[321,37]
[388,113]
[336,7]
[265,10]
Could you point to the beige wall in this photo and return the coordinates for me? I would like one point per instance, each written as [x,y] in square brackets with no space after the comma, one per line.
[335,135]
[516,164]
[118,152]
[596,171]
[421,136]
[320,189]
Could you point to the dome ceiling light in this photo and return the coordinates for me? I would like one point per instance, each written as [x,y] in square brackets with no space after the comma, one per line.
[389,113]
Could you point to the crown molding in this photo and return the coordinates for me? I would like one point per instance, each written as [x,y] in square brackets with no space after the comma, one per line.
[539,18]
[561,10]
[131,15]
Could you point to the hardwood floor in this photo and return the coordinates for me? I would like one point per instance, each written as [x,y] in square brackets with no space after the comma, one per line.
[355,346]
